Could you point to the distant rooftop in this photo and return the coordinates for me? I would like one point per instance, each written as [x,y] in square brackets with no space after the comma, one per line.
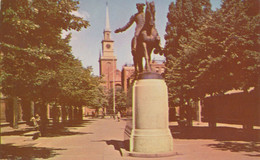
[128,65]
[153,61]
[158,61]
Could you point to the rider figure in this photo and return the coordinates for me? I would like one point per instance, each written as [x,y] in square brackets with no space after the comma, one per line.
[139,19]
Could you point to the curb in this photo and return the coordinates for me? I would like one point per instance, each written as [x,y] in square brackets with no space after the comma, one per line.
[125,153]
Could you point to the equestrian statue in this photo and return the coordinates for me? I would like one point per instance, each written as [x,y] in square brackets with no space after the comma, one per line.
[146,38]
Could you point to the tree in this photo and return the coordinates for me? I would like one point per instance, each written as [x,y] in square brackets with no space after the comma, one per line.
[32,46]
[120,98]
[227,48]
[184,18]
[216,53]
[31,40]
[97,96]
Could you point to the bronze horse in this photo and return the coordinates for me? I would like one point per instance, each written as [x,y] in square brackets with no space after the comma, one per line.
[147,41]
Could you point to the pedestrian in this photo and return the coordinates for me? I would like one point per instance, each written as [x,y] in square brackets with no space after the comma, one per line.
[118,115]
[34,123]
[38,120]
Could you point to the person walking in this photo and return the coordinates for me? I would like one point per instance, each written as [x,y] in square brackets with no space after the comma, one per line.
[118,115]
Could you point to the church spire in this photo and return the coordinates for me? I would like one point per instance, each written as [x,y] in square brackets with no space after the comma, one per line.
[107,18]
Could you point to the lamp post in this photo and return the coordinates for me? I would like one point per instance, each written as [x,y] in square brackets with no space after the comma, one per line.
[114,98]
[108,77]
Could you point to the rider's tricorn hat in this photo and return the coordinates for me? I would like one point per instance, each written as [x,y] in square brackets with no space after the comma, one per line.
[140,5]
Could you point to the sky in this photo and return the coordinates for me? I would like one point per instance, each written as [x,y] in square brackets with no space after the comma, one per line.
[86,44]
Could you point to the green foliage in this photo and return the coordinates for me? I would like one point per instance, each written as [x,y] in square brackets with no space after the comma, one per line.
[120,99]
[97,96]
[211,52]
[228,49]
[184,18]
[36,62]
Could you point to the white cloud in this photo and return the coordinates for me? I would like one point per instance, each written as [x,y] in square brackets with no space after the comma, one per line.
[65,33]
[82,14]
[75,34]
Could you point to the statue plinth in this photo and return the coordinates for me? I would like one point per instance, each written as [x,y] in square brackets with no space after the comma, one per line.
[150,132]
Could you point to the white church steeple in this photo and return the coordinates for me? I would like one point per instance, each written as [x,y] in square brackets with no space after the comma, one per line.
[107,19]
[107,60]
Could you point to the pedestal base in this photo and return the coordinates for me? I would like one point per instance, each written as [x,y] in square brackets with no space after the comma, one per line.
[152,141]
[150,132]
[152,155]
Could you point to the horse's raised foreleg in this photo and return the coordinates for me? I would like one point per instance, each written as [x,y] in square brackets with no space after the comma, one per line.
[146,56]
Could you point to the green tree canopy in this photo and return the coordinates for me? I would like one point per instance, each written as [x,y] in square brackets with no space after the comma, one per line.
[32,46]
[227,49]
[184,18]
[211,52]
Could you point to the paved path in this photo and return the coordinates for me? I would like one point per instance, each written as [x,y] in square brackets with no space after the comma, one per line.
[97,139]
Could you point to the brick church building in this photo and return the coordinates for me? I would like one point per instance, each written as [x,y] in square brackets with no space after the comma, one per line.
[107,59]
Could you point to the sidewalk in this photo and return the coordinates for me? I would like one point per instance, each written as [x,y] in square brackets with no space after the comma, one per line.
[94,139]
[98,139]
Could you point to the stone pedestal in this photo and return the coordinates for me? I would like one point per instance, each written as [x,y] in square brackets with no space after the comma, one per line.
[150,127]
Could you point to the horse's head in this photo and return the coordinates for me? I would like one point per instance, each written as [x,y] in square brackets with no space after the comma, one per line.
[150,13]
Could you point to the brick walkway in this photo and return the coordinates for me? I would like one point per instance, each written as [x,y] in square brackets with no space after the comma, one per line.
[97,139]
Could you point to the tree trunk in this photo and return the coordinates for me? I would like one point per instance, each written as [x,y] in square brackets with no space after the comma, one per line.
[26,110]
[14,106]
[9,110]
[64,113]
[189,115]
[55,117]
[80,113]
[212,117]
[44,118]
[71,111]
[32,113]
[75,110]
